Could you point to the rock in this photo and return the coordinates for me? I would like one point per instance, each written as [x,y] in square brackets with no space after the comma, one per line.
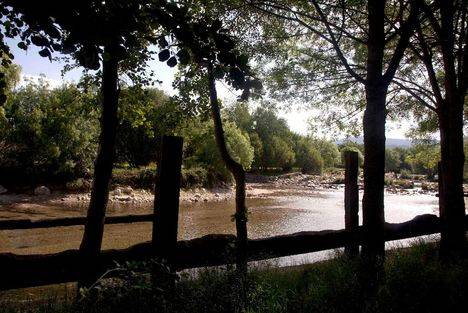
[117,192]
[123,198]
[127,190]
[42,191]
[3,190]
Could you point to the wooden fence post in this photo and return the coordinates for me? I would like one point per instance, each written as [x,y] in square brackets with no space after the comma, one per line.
[351,198]
[166,198]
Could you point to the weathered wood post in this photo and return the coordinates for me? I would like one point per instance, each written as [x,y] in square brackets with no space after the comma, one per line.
[351,198]
[166,198]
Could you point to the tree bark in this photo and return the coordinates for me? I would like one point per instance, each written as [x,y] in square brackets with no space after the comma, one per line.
[374,136]
[239,176]
[450,113]
[94,227]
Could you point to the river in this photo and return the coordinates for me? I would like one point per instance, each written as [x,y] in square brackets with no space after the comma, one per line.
[278,212]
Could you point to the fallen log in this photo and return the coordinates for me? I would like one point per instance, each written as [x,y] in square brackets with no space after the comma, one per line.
[18,271]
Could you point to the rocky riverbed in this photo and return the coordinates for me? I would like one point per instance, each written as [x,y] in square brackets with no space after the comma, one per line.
[257,186]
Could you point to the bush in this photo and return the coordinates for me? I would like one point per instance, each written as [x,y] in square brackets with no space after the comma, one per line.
[351,148]
[308,159]
[279,153]
[405,174]
[207,153]
[329,152]
[136,177]
[49,135]
[195,177]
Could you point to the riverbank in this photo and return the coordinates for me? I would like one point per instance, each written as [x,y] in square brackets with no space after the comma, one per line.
[258,186]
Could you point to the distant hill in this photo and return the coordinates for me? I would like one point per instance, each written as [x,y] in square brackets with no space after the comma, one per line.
[390,142]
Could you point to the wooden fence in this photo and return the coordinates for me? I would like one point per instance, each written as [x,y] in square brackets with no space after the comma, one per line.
[17,271]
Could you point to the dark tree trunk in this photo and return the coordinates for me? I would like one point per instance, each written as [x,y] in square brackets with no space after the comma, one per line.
[450,111]
[451,198]
[94,227]
[239,176]
[374,136]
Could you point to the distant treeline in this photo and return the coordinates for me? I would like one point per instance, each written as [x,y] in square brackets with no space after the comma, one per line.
[50,135]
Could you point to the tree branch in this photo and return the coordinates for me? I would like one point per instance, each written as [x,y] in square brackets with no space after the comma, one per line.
[406,31]
[335,44]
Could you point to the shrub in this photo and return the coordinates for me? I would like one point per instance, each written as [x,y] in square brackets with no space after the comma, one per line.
[136,177]
[195,177]
[308,158]
[48,134]
[207,152]
[351,148]
[329,152]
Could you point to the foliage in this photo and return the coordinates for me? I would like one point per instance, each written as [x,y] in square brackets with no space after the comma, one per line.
[308,159]
[238,145]
[144,116]
[351,147]
[278,153]
[49,134]
[423,158]
[392,161]
[329,152]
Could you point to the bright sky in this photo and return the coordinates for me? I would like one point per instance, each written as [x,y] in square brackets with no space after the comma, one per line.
[33,66]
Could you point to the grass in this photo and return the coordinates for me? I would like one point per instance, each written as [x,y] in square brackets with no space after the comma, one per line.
[414,281]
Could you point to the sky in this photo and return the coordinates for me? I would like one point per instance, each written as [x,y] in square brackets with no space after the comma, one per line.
[33,66]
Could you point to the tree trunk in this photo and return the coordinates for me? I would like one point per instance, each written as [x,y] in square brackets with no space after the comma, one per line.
[239,176]
[94,227]
[450,111]
[451,198]
[374,136]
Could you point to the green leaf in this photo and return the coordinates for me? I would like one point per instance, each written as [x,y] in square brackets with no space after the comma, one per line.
[184,57]
[45,53]
[162,42]
[22,45]
[164,55]
[172,62]
[39,40]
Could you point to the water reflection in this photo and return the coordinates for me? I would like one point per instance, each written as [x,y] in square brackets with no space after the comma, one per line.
[275,214]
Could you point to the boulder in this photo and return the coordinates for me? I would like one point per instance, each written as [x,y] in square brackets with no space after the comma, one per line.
[3,190]
[123,198]
[117,192]
[127,190]
[42,191]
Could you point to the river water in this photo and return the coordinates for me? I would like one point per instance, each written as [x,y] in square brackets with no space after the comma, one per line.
[279,212]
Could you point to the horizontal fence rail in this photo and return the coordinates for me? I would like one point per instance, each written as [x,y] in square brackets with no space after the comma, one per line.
[19,271]
[71,221]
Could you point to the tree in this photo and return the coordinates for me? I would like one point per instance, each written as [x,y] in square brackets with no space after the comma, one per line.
[279,153]
[116,34]
[392,161]
[308,158]
[368,44]
[275,136]
[49,135]
[439,47]
[423,158]
[238,145]
[328,151]
[145,114]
